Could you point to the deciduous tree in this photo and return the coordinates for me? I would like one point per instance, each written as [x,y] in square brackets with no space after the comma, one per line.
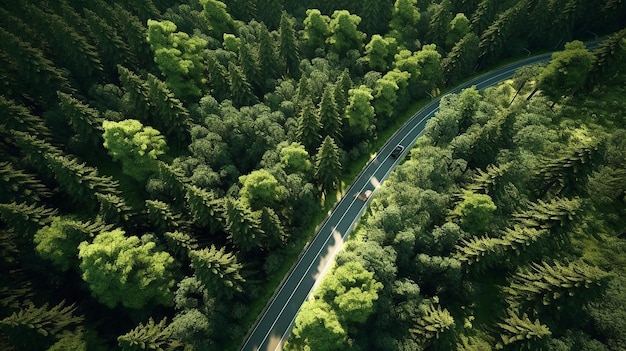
[124,270]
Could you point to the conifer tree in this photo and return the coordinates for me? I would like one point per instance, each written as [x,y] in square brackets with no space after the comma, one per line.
[556,215]
[18,117]
[132,30]
[151,336]
[274,234]
[240,89]
[207,211]
[137,90]
[84,120]
[174,181]
[24,218]
[434,323]
[288,46]
[162,216]
[328,115]
[243,225]
[309,127]
[218,79]
[522,333]
[218,271]
[218,18]
[268,56]
[168,113]
[32,327]
[36,78]
[328,165]
[19,185]
[462,59]
[341,88]
[249,62]
[180,244]
[113,208]
[544,284]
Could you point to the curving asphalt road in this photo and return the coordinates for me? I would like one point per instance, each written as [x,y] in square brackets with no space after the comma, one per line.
[275,323]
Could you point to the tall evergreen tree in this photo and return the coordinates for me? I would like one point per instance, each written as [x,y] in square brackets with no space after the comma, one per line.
[340,91]
[309,127]
[207,211]
[522,333]
[84,120]
[268,56]
[19,185]
[249,62]
[240,89]
[243,225]
[151,336]
[218,271]
[26,219]
[328,115]
[288,46]
[328,165]
[168,113]
[31,328]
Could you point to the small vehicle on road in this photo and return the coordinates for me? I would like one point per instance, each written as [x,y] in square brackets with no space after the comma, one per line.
[364,196]
[397,151]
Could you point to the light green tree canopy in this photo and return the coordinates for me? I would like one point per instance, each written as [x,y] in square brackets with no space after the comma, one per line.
[345,35]
[316,29]
[125,270]
[475,211]
[135,146]
[259,189]
[567,70]
[318,328]
[360,112]
[295,159]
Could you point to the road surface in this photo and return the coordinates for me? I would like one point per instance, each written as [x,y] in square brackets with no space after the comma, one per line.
[276,321]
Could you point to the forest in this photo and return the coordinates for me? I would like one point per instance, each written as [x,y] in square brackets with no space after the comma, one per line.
[163,163]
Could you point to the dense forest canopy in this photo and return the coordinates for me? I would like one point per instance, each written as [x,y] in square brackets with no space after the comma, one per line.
[163,161]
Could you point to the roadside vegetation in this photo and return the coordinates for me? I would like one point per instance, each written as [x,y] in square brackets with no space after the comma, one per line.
[163,162]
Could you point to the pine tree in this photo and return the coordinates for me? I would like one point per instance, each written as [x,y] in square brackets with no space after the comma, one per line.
[328,115]
[207,211]
[309,127]
[461,60]
[34,79]
[113,208]
[434,323]
[18,117]
[522,333]
[131,29]
[168,113]
[268,57]
[180,244]
[328,165]
[556,215]
[137,90]
[243,225]
[33,327]
[479,254]
[151,336]
[341,88]
[26,219]
[162,216]
[112,48]
[174,181]
[84,120]
[288,46]
[249,62]
[240,89]
[274,234]
[218,79]
[218,271]
[19,185]
[544,284]
[72,49]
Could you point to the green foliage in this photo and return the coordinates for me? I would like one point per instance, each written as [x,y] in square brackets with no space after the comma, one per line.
[29,327]
[318,328]
[25,218]
[58,242]
[152,336]
[360,112]
[329,116]
[434,323]
[84,120]
[351,291]
[328,165]
[135,146]
[125,270]
[547,284]
[243,225]
[179,56]
[344,33]
[218,271]
[259,189]
[295,159]
[567,71]
[459,27]
[379,51]
[316,30]
[20,185]
[218,18]
[288,46]
[522,333]
[475,212]
[404,18]
[309,127]
[207,211]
